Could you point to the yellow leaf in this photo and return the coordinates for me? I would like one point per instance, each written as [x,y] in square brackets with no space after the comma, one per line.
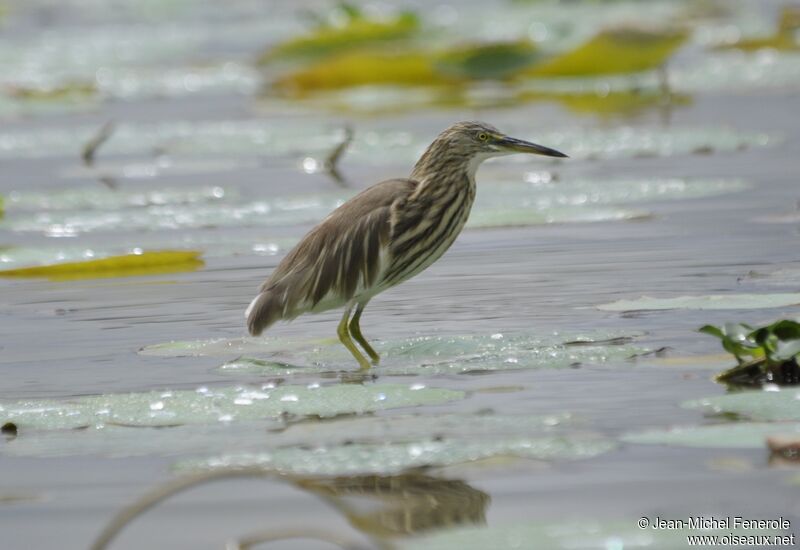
[626,50]
[359,69]
[147,263]
[783,39]
[356,33]
[69,91]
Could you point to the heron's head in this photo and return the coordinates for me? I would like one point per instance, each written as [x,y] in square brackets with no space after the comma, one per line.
[470,143]
[480,138]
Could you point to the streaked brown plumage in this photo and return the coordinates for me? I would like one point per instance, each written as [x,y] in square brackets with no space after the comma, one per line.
[384,235]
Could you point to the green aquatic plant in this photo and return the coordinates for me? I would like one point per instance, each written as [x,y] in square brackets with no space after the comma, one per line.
[498,60]
[766,354]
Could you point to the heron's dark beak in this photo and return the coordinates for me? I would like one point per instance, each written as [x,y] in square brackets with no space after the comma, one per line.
[520,146]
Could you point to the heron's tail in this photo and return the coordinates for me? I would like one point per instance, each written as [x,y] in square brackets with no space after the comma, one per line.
[264,310]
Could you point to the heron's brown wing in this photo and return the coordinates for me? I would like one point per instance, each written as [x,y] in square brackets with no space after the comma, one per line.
[333,258]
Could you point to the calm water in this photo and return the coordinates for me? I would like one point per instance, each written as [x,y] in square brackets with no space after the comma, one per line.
[65,339]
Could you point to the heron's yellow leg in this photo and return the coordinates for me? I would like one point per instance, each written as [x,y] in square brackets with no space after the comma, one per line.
[355,332]
[344,338]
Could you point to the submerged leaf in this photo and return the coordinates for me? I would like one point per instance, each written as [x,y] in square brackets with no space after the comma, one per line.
[625,50]
[212,405]
[714,301]
[146,263]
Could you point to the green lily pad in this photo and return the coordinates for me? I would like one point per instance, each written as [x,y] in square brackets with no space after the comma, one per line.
[397,457]
[210,405]
[739,435]
[754,405]
[419,355]
[714,301]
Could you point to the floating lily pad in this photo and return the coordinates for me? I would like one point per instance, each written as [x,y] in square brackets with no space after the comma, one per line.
[538,200]
[754,405]
[211,405]
[97,198]
[625,50]
[143,263]
[420,355]
[714,301]
[261,435]
[739,435]
[545,201]
[277,138]
[583,534]
[396,457]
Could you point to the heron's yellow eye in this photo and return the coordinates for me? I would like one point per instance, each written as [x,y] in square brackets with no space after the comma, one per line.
[482,136]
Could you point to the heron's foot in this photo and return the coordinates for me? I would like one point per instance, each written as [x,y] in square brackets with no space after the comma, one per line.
[355,332]
[347,341]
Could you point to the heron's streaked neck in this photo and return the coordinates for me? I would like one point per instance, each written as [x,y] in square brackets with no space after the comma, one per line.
[434,170]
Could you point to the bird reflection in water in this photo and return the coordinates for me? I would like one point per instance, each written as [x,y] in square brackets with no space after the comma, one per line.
[407,504]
